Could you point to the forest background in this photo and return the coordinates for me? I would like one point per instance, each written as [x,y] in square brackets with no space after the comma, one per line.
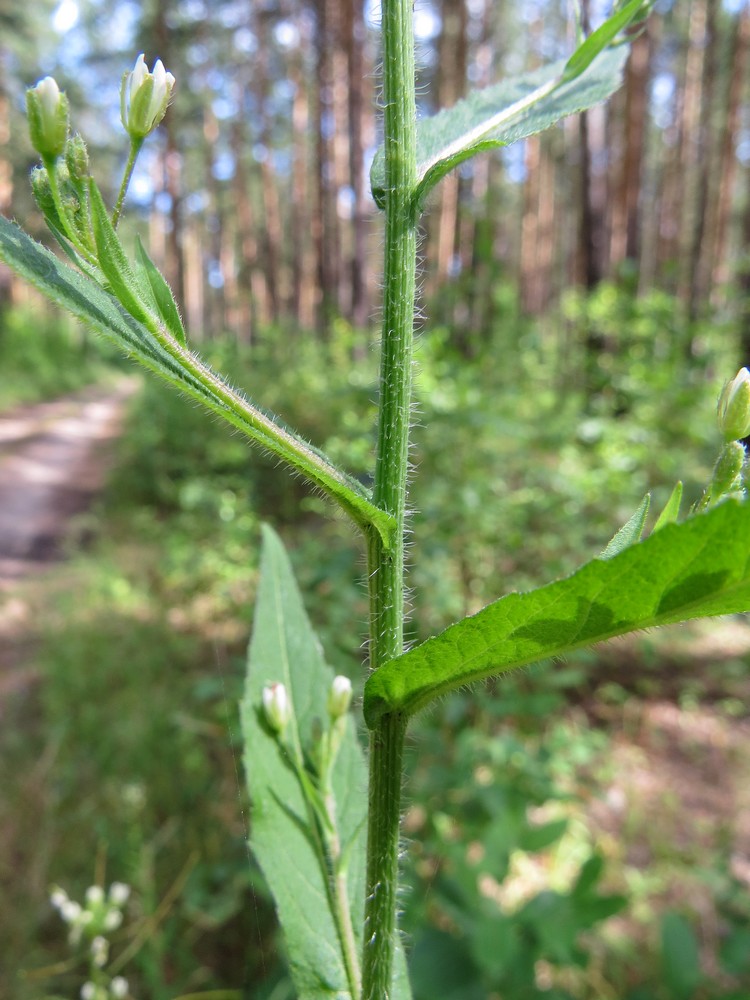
[585,293]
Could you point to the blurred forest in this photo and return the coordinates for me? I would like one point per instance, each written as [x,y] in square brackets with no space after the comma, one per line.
[255,191]
[576,832]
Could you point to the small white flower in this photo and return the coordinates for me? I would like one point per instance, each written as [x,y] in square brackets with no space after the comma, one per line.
[119,893]
[70,911]
[112,920]
[339,696]
[94,895]
[276,706]
[58,897]
[134,795]
[99,951]
[88,991]
[144,97]
[118,988]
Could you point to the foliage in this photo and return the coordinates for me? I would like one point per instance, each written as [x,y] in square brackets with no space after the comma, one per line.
[303,793]
[43,354]
[171,554]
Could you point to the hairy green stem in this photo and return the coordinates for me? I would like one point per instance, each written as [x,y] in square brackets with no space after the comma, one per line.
[135,148]
[386,566]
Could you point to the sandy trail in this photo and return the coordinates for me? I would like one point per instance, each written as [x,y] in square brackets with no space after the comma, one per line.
[54,458]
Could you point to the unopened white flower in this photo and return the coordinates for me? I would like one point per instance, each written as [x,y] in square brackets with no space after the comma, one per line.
[144,97]
[339,696]
[99,951]
[118,988]
[734,407]
[88,991]
[70,911]
[48,114]
[276,706]
[58,897]
[94,895]
[112,920]
[119,893]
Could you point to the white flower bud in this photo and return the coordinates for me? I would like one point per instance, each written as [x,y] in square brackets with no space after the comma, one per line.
[339,696]
[112,920]
[119,893]
[118,988]
[58,897]
[99,951]
[276,706]
[88,991]
[144,97]
[70,911]
[734,407]
[94,895]
[47,109]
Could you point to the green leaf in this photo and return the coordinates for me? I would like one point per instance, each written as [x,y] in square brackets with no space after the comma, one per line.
[114,262]
[284,648]
[630,532]
[680,957]
[89,302]
[600,39]
[671,508]
[691,570]
[161,292]
[502,114]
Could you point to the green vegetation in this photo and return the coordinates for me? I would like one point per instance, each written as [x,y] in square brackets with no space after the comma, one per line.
[102,781]
[44,354]
[327,842]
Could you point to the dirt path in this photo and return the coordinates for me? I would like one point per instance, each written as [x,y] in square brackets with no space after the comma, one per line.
[54,458]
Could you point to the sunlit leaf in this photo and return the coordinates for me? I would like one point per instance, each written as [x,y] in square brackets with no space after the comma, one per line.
[630,532]
[516,108]
[671,508]
[691,570]
[285,649]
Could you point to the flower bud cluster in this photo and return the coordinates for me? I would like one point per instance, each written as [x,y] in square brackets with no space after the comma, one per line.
[61,187]
[101,914]
[117,989]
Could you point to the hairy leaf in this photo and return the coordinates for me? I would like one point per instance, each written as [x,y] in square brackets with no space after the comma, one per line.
[161,292]
[691,570]
[630,532]
[89,302]
[604,35]
[510,110]
[114,262]
[285,649]
[671,508]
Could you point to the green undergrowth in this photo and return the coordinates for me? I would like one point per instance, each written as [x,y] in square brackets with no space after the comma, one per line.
[148,790]
[44,354]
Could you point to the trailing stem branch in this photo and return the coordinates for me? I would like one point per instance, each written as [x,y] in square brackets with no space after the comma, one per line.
[386,566]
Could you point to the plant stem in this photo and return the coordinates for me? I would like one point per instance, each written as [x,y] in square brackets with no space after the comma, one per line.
[135,148]
[386,566]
